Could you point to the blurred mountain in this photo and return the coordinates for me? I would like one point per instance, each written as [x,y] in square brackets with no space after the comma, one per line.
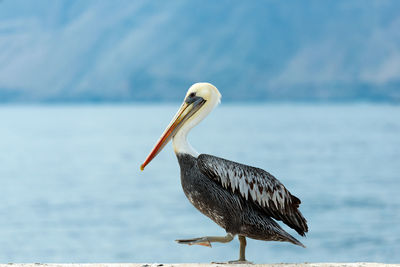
[114,50]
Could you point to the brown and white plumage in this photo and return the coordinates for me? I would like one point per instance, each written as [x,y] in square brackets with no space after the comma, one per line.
[258,186]
[243,200]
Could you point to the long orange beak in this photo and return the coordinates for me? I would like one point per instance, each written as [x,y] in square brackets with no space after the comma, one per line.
[169,132]
[188,108]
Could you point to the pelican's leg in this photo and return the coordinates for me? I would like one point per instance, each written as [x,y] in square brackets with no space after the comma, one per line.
[206,240]
[242,251]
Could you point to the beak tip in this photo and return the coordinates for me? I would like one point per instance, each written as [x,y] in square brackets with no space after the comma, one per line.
[142,167]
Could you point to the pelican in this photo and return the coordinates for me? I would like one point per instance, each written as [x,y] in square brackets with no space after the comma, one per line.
[243,200]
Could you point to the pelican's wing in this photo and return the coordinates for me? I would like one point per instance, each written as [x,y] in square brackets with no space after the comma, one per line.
[257,185]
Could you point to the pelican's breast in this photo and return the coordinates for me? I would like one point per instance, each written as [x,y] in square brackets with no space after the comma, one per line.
[207,196]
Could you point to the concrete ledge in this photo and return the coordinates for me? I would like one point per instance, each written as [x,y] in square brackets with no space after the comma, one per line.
[355,264]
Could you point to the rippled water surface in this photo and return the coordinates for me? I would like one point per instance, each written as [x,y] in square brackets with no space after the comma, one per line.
[71,189]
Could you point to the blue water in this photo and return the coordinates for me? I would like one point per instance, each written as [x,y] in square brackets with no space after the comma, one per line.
[71,189]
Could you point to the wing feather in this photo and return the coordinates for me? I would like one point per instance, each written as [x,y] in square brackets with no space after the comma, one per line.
[257,185]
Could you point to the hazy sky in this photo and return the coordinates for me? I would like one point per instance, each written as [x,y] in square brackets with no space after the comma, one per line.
[68,50]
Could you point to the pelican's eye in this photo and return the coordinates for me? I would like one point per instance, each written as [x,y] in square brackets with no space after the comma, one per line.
[191,98]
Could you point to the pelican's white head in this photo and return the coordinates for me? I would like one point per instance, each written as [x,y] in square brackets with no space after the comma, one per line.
[200,100]
[204,97]
[207,91]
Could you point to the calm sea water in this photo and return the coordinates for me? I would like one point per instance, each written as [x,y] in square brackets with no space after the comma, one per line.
[71,189]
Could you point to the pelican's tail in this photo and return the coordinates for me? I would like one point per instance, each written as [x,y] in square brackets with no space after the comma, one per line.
[293,240]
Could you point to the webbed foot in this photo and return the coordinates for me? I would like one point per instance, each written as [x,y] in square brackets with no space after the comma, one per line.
[206,240]
[240,262]
[202,241]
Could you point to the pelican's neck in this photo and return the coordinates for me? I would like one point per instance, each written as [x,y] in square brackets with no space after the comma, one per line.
[179,141]
[181,144]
